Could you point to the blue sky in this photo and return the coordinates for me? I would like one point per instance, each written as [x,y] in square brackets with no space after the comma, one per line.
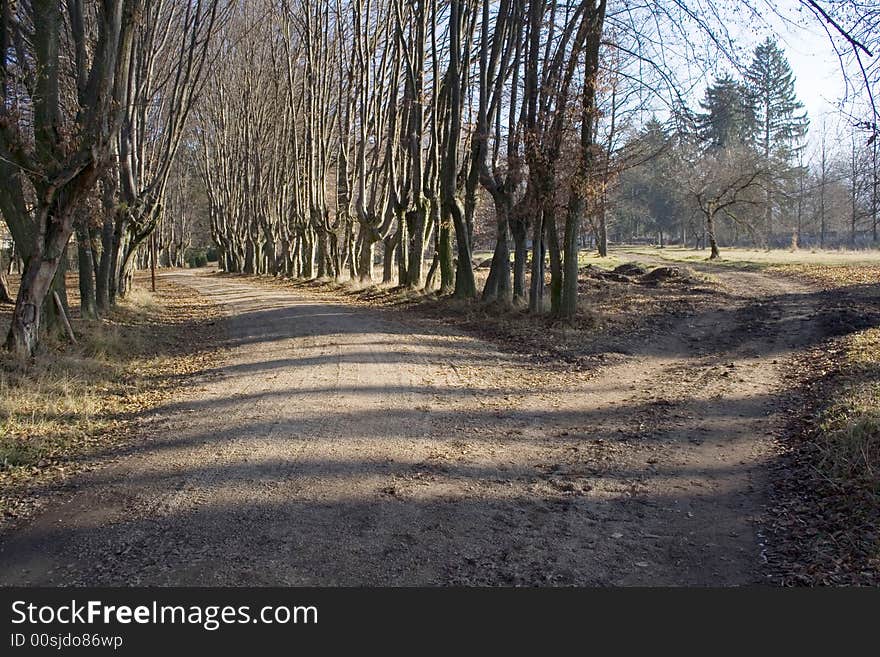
[819,77]
[819,81]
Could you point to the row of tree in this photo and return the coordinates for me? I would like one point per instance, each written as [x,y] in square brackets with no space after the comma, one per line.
[376,126]
[829,197]
[95,101]
[378,122]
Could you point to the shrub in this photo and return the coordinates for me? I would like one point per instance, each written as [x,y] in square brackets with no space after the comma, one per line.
[195,258]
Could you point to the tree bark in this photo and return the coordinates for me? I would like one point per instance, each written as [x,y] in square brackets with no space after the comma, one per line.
[465,284]
[47,256]
[536,292]
[5,297]
[390,244]
[602,235]
[24,331]
[497,287]
[519,231]
[415,226]
[447,264]
[710,233]
[556,275]
[88,303]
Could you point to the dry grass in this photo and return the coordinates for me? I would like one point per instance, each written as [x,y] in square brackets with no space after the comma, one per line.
[585,257]
[758,258]
[825,517]
[849,437]
[831,276]
[73,403]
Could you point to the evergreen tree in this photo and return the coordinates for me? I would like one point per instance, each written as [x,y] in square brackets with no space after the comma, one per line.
[781,122]
[728,118]
[650,191]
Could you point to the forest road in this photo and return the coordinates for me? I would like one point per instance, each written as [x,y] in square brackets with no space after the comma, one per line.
[338,445]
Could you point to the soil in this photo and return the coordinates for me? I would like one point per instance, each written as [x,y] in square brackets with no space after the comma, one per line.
[343,445]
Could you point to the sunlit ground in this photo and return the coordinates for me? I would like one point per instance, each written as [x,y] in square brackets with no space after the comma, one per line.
[869,257]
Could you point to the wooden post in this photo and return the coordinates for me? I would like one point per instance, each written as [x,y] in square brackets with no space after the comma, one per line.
[64,319]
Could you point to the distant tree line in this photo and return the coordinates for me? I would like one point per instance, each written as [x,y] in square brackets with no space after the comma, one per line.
[737,171]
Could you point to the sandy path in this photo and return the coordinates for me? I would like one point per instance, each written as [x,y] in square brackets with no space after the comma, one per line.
[337,446]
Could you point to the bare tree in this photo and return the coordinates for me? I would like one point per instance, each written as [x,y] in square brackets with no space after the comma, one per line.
[171,49]
[65,66]
[721,181]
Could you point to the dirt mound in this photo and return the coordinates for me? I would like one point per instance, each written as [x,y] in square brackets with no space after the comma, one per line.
[662,274]
[589,271]
[632,273]
[629,269]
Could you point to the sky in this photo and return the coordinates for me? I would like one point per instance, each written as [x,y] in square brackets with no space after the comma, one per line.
[819,80]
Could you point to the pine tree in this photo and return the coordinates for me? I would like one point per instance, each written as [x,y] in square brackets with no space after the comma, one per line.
[780,118]
[728,118]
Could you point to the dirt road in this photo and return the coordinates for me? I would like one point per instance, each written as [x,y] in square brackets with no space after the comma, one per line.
[338,446]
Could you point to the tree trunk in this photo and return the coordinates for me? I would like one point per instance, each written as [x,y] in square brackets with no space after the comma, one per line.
[444,252]
[518,229]
[322,255]
[710,233]
[129,262]
[536,296]
[308,254]
[52,316]
[250,257]
[388,259]
[126,278]
[47,257]
[24,330]
[4,287]
[351,245]
[431,276]
[415,226]
[875,186]
[465,284]
[602,234]
[366,256]
[556,275]
[497,287]
[567,306]
[117,247]
[88,303]
[402,242]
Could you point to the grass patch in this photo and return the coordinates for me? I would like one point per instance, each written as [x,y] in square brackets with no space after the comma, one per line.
[759,259]
[837,275]
[824,522]
[69,394]
[849,431]
[73,403]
